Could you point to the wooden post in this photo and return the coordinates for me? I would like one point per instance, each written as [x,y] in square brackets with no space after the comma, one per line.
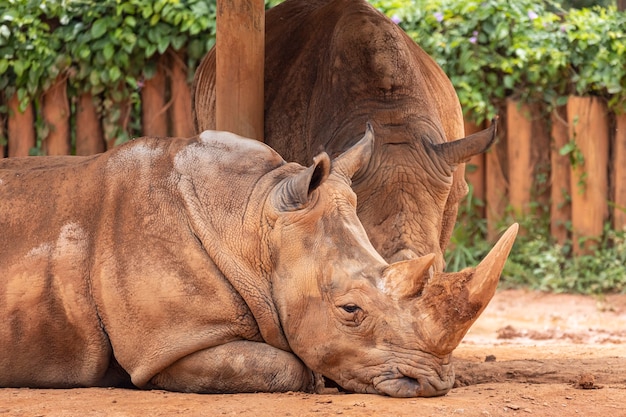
[21,128]
[519,143]
[496,182]
[153,103]
[528,158]
[619,173]
[181,113]
[560,209]
[475,169]
[89,136]
[3,131]
[588,127]
[240,50]
[116,116]
[56,114]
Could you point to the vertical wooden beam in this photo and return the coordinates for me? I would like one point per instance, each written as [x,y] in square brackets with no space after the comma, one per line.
[3,132]
[240,54]
[619,173]
[181,114]
[475,169]
[89,134]
[154,103]
[588,127]
[496,182]
[21,128]
[56,114]
[519,143]
[528,144]
[560,209]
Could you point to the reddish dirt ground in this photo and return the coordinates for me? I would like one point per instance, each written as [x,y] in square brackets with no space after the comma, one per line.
[529,354]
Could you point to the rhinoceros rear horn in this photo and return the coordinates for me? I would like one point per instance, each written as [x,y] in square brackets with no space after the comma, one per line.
[451,302]
[461,150]
[295,191]
[406,279]
[356,157]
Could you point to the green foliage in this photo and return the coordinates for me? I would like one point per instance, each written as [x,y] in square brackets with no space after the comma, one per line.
[597,43]
[495,49]
[539,263]
[103,47]
[536,261]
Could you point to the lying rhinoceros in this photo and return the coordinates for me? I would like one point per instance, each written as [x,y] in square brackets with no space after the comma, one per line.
[331,65]
[211,265]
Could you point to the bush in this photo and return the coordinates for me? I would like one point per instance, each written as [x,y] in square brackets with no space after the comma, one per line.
[495,49]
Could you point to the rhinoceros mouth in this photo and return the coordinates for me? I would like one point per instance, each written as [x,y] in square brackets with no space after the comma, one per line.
[408,382]
[408,387]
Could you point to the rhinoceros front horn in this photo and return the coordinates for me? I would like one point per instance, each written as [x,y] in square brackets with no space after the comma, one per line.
[461,150]
[451,302]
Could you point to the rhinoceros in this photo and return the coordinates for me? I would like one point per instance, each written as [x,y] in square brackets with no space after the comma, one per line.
[210,264]
[331,65]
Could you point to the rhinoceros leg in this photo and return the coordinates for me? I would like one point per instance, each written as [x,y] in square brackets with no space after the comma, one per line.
[240,366]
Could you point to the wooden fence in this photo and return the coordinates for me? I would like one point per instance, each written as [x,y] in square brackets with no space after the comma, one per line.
[165,111]
[526,170]
[571,164]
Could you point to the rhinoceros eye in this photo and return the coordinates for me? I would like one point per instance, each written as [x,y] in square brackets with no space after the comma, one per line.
[351,308]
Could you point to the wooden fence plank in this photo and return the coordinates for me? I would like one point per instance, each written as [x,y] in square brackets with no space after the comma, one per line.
[89,136]
[519,143]
[56,114]
[154,103]
[588,127]
[528,143]
[619,173]
[115,119]
[240,50]
[496,193]
[180,111]
[21,128]
[3,130]
[560,208]
[475,169]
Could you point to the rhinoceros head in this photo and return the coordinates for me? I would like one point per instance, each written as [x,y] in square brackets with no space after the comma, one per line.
[346,313]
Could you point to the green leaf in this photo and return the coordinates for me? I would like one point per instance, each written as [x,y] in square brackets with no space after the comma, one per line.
[19,67]
[150,50]
[99,28]
[108,51]
[5,32]
[130,21]
[163,44]
[147,11]
[115,74]
[567,148]
[4,65]
[94,78]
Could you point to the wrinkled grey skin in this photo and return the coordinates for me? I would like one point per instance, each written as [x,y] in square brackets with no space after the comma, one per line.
[332,65]
[210,264]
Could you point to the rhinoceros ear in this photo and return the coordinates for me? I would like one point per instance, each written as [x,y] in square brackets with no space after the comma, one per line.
[356,157]
[461,150]
[295,191]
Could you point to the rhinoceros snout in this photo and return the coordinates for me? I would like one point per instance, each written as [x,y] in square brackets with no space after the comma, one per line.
[405,385]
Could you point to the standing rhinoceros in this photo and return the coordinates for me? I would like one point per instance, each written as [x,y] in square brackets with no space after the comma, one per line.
[211,265]
[331,65]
